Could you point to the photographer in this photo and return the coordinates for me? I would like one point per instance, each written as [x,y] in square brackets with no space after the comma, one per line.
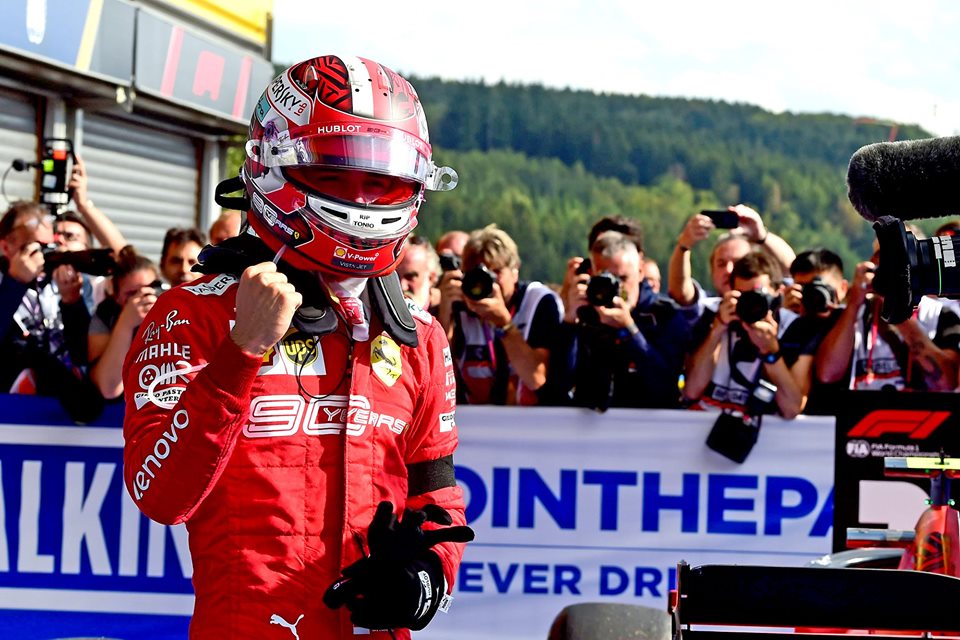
[44,317]
[620,344]
[817,295]
[136,285]
[447,293]
[750,343]
[74,231]
[503,336]
[862,351]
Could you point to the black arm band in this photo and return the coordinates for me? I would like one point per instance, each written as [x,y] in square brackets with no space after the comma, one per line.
[430,475]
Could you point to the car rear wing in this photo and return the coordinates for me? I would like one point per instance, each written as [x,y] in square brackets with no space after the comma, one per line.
[738,597]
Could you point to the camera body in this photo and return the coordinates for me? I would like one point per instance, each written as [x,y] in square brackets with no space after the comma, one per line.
[734,435]
[449,262]
[753,306]
[603,288]
[94,262]
[818,296]
[477,283]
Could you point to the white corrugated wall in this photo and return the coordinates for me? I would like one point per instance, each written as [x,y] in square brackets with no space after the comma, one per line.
[144,179]
[18,139]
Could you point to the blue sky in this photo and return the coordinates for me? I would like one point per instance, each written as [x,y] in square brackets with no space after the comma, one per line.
[881,59]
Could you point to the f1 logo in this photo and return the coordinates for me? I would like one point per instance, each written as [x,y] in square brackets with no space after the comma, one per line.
[914,424]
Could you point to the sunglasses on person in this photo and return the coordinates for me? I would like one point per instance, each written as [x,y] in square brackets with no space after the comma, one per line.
[69,236]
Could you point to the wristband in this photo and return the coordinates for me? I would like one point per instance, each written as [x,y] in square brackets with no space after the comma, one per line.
[502,331]
[764,238]
[683,248]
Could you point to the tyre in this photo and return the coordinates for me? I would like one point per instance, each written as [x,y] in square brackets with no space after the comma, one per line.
[602,621]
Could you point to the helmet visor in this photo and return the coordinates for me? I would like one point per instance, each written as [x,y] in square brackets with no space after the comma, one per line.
[385,155]
[355,186]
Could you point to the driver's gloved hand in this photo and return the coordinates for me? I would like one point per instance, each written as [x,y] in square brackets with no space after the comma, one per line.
[400,584]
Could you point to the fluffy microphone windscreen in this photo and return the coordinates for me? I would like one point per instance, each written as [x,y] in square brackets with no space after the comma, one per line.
[908,180]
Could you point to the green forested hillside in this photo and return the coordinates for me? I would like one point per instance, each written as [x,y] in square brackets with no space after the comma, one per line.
[544,164]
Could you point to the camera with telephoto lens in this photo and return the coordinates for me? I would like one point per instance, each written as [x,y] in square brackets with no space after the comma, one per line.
[94,262]
[753,306]
[817,296]
[477,283]
[889,182]
[602,289]
[911,268]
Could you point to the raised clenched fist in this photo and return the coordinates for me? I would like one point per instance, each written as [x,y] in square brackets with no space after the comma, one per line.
[266,302]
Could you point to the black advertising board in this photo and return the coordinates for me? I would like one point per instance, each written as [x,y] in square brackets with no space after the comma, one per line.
[875,424]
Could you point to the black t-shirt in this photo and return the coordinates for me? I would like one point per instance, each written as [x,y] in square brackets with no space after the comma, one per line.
[543,332]
[824,396]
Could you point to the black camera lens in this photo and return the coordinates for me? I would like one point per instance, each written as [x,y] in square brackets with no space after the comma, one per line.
[911,268]
[477,283]
[818,296]
[753,306]
[602,289]
[94,262]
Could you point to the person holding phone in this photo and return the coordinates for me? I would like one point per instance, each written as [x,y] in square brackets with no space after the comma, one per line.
[748,233]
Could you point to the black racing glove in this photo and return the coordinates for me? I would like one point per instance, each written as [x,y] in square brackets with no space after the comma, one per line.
[400,584]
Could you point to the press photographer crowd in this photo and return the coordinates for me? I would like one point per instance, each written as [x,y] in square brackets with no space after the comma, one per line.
[73,293]
[773,332]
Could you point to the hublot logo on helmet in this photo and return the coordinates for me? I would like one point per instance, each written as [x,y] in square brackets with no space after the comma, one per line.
[339,128]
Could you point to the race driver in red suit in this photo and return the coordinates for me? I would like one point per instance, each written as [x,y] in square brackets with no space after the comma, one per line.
[288,406]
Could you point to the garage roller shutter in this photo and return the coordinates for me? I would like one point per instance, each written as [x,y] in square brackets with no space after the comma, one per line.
[18,139]
[144,179]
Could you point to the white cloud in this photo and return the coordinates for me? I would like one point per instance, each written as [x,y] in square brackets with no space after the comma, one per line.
[880,58]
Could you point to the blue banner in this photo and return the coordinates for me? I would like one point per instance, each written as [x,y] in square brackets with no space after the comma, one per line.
[77,559]
[568,505]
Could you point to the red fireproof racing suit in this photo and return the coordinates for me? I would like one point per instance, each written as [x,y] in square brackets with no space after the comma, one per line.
[277,464]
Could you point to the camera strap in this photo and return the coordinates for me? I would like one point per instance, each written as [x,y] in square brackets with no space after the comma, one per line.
[735,374]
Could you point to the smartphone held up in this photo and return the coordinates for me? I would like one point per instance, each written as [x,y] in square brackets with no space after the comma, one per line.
[722,219]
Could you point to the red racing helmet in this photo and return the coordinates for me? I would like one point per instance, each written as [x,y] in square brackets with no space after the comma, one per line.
[338,160]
